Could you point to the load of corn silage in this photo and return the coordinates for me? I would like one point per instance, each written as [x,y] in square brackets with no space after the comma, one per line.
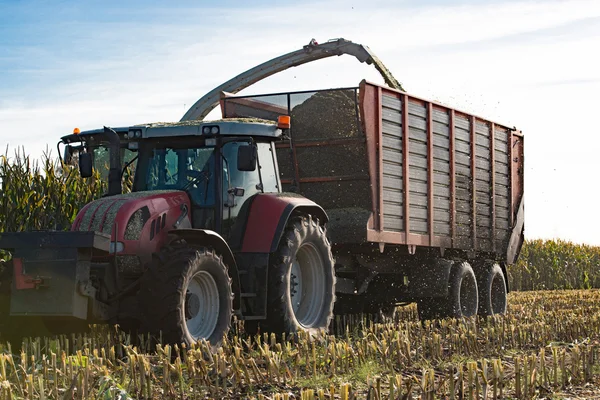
[344,190]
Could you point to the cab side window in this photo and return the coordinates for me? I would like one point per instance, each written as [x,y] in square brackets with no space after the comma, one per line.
[267,166]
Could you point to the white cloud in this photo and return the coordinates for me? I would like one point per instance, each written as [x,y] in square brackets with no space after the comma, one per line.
[529,64]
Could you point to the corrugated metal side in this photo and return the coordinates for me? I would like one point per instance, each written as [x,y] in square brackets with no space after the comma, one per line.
[391,142]
[460,200]
[463,185]
[441,172]
[502,185]
[483,185]
[417,156]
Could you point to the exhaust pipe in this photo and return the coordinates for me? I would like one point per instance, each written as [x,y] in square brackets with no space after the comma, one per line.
[114,174]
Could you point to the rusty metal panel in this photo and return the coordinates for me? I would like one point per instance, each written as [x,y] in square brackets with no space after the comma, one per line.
[405,160]
[419,163]
[501,180]
[462,181]
[483,186]
[517,174]
[452,150]
[369,97]
[392,166]
[473,159]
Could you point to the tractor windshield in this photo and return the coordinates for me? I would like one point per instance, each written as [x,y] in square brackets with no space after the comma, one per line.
[100,157]
[190,169]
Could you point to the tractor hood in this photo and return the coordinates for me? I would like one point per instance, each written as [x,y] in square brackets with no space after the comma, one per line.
[132,215]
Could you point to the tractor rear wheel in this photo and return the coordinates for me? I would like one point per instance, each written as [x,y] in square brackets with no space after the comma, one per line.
[301,292]
[187,296]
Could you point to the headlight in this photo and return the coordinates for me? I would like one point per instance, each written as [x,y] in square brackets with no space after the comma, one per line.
[134,133]
[210,130]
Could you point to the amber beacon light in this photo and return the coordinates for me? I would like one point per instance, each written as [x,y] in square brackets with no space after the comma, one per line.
[284,122]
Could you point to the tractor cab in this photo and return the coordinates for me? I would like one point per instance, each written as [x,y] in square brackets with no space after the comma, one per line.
[219,164]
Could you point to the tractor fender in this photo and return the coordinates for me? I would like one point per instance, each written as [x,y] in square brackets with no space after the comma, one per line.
[205,237]
[268,215]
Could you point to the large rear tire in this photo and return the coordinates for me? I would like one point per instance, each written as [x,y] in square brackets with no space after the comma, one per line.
[462,299]
[301,293]
[492,290]
[187,296]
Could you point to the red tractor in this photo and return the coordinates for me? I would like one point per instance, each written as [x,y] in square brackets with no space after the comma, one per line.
[205,234]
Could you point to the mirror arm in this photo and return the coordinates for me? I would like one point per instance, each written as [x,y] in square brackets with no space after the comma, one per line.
[58,151]
[262,188]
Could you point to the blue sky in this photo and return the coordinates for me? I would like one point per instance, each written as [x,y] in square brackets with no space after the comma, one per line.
[531,64]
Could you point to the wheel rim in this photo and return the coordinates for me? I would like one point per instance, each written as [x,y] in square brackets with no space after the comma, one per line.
[307,285]
[201,306]
[468,296]
[498,294]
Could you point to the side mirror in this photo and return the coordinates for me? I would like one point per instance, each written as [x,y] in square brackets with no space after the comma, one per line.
[85,165]
[246,159]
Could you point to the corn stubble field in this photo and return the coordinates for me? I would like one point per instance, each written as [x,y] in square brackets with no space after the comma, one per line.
[546,346]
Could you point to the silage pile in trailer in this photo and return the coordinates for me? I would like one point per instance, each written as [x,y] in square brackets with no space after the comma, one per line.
[330,116]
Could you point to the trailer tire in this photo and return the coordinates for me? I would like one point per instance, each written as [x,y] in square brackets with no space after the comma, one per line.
[492,291]
[186,295]
[462,299]
[303,264]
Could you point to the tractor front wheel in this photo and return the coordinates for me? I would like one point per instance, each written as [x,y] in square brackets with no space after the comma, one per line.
[187,296]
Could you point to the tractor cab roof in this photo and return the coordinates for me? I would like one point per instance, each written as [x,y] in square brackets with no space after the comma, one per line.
[223,127]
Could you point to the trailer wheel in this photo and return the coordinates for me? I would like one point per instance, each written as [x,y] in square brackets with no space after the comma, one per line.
[492,291]
[187,296]
[462,300]
[301,293]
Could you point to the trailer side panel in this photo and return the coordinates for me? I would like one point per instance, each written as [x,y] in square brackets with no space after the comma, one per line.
[445,179]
